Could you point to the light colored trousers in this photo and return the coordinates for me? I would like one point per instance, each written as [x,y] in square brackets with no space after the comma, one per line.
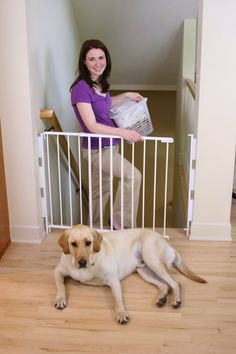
[127,185]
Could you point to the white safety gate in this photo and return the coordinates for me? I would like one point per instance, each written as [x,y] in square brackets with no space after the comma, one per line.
[190,179]
[189,134]
[63,172]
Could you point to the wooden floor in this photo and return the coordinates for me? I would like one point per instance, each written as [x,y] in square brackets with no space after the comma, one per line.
[29,323]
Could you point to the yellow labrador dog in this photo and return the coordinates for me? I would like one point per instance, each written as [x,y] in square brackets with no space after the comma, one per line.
[105,259]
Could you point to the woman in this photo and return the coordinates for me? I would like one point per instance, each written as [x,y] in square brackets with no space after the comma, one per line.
[91,102]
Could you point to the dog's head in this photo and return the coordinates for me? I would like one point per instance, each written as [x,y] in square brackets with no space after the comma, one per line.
[80,241]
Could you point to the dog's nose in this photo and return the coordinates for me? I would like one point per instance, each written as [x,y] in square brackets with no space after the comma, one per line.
[82,262]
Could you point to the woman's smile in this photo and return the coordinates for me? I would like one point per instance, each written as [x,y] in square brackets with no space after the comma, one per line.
[95,62]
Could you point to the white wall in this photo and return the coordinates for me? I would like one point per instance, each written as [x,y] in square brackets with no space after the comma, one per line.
[15,112]
[143,37]
[216,77]
[187,72]
[54,47]
[38,61]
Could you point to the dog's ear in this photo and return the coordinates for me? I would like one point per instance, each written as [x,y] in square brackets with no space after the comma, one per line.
[97,240]
[63,242]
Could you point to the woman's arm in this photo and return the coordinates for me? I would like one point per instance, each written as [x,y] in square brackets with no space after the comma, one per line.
[134,96]
[87,114]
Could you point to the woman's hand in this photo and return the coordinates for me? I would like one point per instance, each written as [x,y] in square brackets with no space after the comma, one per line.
[130,135]
[134,96]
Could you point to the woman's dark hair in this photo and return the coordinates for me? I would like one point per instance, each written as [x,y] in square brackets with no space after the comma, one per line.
[83,72]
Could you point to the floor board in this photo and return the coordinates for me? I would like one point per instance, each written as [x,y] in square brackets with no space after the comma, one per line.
[29,323]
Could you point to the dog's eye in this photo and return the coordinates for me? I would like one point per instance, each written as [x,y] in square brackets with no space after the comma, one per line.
[74,244]
[87,243]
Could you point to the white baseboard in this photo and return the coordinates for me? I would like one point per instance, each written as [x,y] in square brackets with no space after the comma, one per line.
[26,234]
[210,232]
[144,87]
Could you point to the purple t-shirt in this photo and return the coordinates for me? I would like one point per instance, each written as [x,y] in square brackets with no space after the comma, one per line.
[82,92]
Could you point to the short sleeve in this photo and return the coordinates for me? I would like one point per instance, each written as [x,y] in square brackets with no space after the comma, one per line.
[81,92]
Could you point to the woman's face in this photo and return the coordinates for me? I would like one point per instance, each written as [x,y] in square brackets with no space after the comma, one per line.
[96,62]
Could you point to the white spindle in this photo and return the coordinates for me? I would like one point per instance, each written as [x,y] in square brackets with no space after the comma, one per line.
[122,184]
[144,172]
[154,186]
[165,194]
[111,184]
[132,189]
[100,183]
[69,172]
[90,183]
[80,182]
[59,179]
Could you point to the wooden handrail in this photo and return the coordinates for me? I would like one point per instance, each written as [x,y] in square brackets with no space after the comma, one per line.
[50,119]
[192,87]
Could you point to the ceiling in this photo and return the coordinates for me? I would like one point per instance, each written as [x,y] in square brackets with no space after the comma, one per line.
[143,37]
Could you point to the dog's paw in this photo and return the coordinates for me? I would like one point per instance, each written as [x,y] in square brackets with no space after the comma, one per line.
[176,304]
[60,303]
[161,301]
[122,317]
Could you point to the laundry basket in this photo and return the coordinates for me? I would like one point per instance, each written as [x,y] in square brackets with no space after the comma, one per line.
[133,115]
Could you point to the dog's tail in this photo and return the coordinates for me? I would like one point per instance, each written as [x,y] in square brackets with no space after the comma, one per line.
[184,269]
